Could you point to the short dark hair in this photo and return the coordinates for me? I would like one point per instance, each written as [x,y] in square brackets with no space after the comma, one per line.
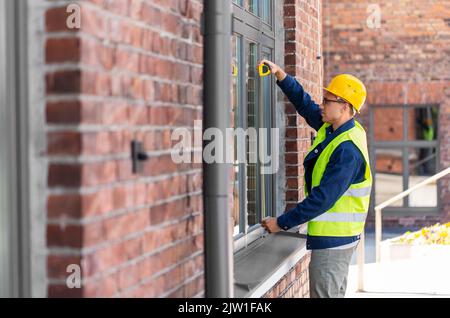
[352,109]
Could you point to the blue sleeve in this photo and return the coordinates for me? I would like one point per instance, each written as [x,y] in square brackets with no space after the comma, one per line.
[302,101]
[344,169]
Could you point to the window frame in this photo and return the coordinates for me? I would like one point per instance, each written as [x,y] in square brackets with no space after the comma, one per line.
[404,144]
[251,28]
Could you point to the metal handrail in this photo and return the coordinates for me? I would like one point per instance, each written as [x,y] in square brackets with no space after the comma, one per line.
[378,224]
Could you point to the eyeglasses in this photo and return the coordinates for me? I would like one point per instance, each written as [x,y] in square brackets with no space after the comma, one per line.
[327,101]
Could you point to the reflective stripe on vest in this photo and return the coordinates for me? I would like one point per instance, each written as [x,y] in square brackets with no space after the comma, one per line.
[348,215]
[341,217]
[362,192]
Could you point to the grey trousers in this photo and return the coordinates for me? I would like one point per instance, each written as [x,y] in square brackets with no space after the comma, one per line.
[328,271]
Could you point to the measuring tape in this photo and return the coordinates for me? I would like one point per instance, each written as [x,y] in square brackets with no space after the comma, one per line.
[264,70]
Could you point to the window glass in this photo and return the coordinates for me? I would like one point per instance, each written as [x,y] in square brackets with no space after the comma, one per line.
[236,98]
[422,165]
[423,123]
[267,11]
[265,117]
[252,104]
[388,175]
[252,124]
[399,166]
[252,6]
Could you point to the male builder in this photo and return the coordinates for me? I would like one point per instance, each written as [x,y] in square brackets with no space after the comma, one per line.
[338,180]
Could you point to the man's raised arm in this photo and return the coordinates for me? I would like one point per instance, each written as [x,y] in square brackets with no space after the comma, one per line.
[301,100]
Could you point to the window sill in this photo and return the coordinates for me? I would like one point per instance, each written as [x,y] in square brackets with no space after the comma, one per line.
[258,267]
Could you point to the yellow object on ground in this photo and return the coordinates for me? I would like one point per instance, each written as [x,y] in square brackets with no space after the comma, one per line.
[436,234]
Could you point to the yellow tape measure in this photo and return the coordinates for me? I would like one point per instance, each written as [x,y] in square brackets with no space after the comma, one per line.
[234,70]
[264,70]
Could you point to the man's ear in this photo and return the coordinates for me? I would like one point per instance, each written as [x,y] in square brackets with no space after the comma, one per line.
[346,109]
[350,109]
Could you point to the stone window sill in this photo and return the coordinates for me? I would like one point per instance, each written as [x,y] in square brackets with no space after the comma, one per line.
[262,264]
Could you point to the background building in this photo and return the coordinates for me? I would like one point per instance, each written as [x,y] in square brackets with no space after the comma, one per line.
[400,50]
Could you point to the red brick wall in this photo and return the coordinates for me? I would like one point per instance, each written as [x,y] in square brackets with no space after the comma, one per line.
[295,284]
[133,71]
[402,62]
[301,24]
[445,154]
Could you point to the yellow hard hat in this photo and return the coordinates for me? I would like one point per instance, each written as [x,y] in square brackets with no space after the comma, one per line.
[350,89]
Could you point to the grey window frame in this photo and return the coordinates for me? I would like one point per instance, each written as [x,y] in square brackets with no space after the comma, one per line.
[15,270]
[404,144]
[252,28]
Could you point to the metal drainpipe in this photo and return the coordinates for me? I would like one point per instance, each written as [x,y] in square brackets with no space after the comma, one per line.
[217,100]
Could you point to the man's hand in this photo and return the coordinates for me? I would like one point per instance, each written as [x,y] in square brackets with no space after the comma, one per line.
[271,225]
[275,69]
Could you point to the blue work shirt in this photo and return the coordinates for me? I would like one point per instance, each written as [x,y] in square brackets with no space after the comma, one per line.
[346,167]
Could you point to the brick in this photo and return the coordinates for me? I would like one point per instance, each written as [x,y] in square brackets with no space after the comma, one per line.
[94,22]
[64,205]
[64,143]
[168,211]
[124,170]
[122,197]
[97,203]
[64,175]
[67,236]
[63,82]
[62,50]
[57,265]
[64,112]
[105,286]
[292,158]
[96,83]
[93,234]
[291,145]
[62,291]
[56,20]
[120,226]
[292,195]
[128,276]
[138,115]
[98,173]
[96,55]
[166,235]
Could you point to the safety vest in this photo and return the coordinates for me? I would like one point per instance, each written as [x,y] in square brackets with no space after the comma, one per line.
[348,215]
[428,133]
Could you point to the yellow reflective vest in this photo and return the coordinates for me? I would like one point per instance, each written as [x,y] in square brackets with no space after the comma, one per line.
[348,215]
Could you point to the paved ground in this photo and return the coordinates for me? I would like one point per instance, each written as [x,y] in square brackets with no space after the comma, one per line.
[421,277]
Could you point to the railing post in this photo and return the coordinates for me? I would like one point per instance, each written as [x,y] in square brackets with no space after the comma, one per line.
[361,260]
[378,231]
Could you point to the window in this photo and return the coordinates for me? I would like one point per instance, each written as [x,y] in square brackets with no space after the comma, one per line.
[260,8]
[405,148]
[253,105]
